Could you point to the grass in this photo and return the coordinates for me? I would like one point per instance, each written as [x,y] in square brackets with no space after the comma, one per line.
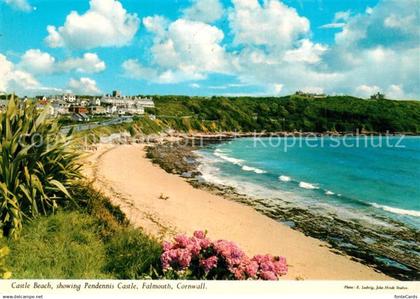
[91,241]
[132,255]
[65,246]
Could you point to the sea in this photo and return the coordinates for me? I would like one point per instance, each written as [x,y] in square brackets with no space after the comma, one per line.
[370,179]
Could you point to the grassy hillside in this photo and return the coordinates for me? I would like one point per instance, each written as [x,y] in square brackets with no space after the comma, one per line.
[336,113]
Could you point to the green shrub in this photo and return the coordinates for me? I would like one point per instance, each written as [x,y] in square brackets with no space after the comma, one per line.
[110,219]
[61,246]
[132,255]
[38,165]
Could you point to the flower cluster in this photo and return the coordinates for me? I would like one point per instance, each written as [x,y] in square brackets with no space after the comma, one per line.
[197,257]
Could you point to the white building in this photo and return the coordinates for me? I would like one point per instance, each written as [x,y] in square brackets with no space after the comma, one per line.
[95,102]
[126,104]
[69,98]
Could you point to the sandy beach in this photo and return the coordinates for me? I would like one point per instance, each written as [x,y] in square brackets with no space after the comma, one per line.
[164,204]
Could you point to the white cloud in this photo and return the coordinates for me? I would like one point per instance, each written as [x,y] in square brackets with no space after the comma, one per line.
[376,50]
[105,24]
[84,85]
[307,52]
[396,22]
[333,25]
[22,5]
[184,50]
[395,92]
[207,11]
[38,62]
[6,68]
[379,49]
[339,21]
[156,24]
[135,70]
[14,80]
[195,85]
[365,91]
[89,63]
[192,47]
[275,89]
[271,24]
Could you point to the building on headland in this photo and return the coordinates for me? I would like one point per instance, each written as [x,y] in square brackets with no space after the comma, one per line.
[310,95]
[377,96]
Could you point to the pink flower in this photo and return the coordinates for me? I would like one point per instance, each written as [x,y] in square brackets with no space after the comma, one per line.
[268,275]
[198,254]
[199,234]
[167,246]
[239,274]
[209,263]
[182,241]
[251,269]
[205,243]
[184,258]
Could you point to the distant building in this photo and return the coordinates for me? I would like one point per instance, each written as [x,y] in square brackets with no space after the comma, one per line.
[310,95]
[61,107]
[78,109]
[68,97]
[95,102]
[125,104]
[94,110]
[377,96]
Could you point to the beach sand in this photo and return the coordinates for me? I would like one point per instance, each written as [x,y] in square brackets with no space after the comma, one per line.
[139,187]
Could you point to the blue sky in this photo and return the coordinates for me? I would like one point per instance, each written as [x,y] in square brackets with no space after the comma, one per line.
[210,47]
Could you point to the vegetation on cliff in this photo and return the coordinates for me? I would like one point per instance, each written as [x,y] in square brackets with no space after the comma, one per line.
[246,114]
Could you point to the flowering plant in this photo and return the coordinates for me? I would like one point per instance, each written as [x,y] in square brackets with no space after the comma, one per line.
[197,257]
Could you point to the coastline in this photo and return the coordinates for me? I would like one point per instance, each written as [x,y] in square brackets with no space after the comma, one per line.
[380,242]
[165,204]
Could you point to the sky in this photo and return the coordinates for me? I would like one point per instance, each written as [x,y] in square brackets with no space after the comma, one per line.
[211,47]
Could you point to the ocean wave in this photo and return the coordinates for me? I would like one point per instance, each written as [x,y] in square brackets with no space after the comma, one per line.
[328,192]
[256,170]
[232,160]
[285,178]
[309,186]
[396,210]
